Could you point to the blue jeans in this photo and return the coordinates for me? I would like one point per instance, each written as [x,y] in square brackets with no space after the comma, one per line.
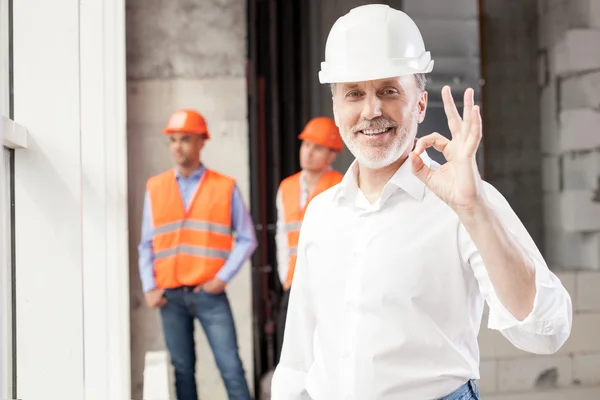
[216,319]
[468,391]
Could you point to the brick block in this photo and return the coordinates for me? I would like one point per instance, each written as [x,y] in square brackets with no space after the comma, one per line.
[582,13]
[552,246]
[582,91]
[584,335]
[564,249]
[575,393]
[572,250]
[584,339]
[586,369]
[550,174]
[488,372]
[530,373]
[573,54]
[588,291]
[156,375]
[590,253]
[494,346]
[557,17]
[552,212]
[551,26]
[580,171]
[579,211]
[579,129]
[549,120]
[568,280]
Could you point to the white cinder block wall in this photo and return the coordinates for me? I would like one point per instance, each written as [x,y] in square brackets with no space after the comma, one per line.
[186,53]
[569,33]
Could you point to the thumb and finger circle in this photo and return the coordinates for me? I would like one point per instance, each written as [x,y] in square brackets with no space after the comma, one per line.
[435,140]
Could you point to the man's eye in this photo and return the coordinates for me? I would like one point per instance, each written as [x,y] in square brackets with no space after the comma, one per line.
[352,94]
[389,91]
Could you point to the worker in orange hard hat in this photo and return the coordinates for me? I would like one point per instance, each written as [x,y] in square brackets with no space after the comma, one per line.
[187,121]
[196,235]
[321,142]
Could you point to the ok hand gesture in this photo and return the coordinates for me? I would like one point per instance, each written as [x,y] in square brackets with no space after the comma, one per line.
[457,182]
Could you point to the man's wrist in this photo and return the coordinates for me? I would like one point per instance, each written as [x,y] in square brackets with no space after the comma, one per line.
[478,213]
[149,288]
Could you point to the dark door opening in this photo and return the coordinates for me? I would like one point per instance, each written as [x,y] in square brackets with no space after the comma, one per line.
[279,107]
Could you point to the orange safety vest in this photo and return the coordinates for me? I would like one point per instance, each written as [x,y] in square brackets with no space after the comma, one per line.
[192,245]
[293,214]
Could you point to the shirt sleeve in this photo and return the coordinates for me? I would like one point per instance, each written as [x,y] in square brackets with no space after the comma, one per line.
[245,238]
[146,249]
[289,378]
[548,325]
[281,242]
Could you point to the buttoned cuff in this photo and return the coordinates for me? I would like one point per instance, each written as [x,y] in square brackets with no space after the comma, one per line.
[147,278]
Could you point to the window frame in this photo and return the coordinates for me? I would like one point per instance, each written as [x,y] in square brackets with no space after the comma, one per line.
[7,315]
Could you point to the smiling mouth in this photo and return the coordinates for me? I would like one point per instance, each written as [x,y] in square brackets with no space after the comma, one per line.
[375,132]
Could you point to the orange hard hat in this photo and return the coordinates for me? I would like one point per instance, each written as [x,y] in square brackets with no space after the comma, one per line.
[324,132]
[188,121]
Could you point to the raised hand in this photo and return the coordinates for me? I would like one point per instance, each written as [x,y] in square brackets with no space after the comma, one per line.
[457,182]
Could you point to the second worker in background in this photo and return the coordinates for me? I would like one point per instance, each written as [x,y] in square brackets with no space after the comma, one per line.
[321,142]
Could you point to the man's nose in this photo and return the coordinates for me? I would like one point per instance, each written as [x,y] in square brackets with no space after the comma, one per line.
[372,107]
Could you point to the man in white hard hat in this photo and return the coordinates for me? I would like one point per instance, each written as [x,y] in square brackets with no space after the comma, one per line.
[395,263]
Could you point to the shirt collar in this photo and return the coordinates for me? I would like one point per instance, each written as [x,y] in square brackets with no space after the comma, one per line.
[197,173]
[403,179]
[303,174]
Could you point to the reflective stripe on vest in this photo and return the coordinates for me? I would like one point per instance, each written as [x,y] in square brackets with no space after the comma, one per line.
[292,229]
[192,245]
[293,214]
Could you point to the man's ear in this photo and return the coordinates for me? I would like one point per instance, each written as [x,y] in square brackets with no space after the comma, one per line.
[332,157]
[422,105]
[201,142]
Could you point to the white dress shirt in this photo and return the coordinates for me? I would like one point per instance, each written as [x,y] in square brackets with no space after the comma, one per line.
[388,298]
[281,238]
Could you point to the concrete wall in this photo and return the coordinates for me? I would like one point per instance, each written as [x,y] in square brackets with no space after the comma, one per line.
[572,373]
[186,53]
[569,77]
[511,124]
[570,80]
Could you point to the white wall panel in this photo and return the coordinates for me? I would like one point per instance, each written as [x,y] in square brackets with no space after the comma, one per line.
[71,229]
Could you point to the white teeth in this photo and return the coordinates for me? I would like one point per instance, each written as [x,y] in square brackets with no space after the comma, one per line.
[374,131]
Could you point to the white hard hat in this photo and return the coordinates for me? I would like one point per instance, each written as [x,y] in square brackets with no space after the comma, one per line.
[373,42]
